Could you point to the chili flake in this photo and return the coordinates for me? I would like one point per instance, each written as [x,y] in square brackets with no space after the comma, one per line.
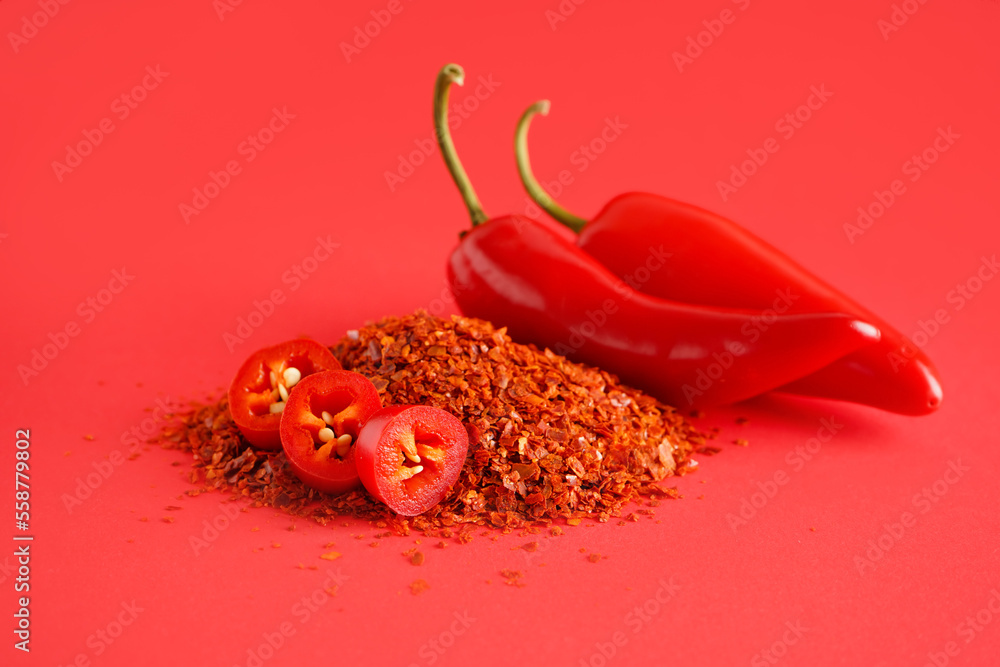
[513,578]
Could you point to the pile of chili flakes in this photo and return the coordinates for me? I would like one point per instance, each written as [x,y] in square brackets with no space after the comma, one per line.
[548,438]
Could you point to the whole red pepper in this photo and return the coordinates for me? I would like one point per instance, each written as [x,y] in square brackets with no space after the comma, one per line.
[520,274]
[712,261]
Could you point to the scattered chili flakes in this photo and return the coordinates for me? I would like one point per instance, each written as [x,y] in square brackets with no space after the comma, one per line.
[172,508]
[742,442]
[332,590]
[275,545]
[168,519]
[742,420]
[513,578]
[594,557]
[419,586]
[708,451]
[548,438]
[530,546]
[255,529]
[67,453]
[417,558]
[331,555]
[144,518]
[89,437]
[555,531]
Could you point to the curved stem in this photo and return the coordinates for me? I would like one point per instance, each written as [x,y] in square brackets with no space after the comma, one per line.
[449,74]
[534,188]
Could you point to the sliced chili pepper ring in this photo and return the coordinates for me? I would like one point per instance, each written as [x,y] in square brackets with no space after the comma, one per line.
[321,423]
[262,385]
[409,456]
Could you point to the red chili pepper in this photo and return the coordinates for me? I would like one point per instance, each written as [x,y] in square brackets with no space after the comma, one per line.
[516,272]
[261,386]
[712,261]
[409,456]
[321,423]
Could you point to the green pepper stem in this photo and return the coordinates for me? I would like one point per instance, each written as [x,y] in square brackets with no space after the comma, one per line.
[531,184]
[449,74]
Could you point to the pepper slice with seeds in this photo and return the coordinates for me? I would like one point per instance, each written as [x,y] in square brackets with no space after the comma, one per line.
[409,456]
[320,424]
[261,388]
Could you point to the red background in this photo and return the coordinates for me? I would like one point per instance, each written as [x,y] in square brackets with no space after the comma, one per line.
[162,336]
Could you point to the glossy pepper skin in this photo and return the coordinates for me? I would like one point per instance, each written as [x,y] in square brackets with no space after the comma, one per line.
[520,274]
[712,261]
[348,399]
[716,262]
[259,391]
[516,272]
